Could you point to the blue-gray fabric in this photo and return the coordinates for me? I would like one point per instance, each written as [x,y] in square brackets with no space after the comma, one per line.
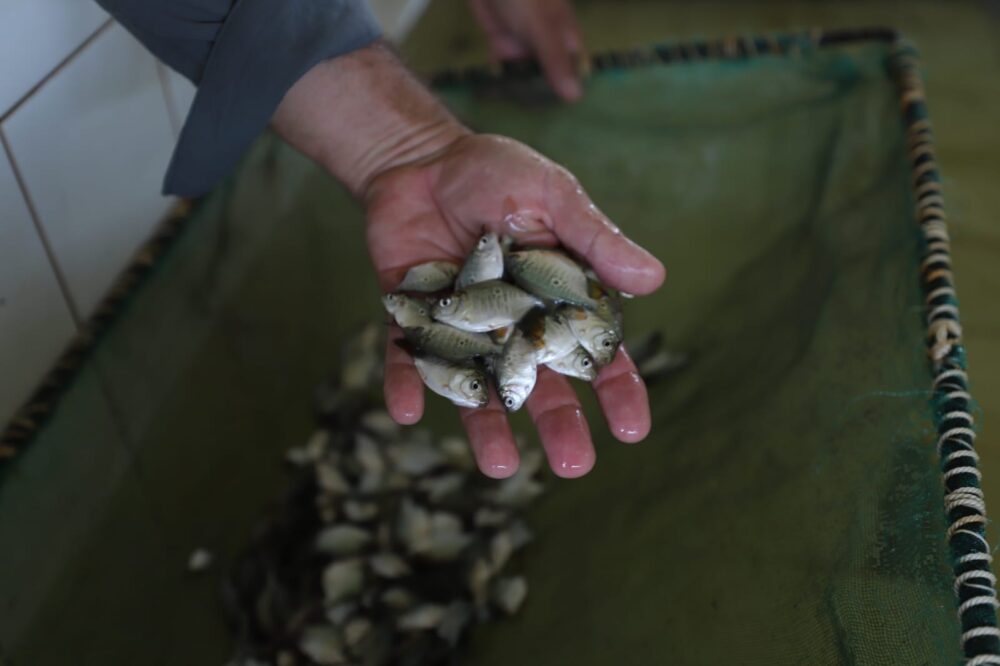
[243,55]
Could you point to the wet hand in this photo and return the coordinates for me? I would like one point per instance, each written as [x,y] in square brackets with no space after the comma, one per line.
[546,29]
[435,209]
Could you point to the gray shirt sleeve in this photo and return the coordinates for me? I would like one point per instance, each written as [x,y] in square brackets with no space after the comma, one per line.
[243,55]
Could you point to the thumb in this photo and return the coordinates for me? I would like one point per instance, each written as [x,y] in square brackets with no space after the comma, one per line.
[584,229]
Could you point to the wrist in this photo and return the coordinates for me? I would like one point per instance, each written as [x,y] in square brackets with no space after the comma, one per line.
[362,114]
[408,143]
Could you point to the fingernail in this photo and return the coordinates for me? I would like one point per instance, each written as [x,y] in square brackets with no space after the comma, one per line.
[570,89]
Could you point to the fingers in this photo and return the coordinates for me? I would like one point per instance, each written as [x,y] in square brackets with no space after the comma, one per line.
[557,59]
[491,438]
[561,425]
[402,386]
[584,229]
[565,21]
[623,398]
[503,44]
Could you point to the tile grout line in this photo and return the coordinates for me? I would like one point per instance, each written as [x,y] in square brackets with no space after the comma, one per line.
[55,70]
[40,230]
[168,98]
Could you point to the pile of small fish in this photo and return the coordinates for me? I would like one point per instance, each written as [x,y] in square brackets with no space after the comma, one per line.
[391,545]
[503,313]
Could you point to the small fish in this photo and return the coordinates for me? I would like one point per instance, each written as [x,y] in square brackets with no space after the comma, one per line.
[484,306]
[406,310]
[608,305]
[577,364]
[516,371]
[593,332]
[450,343]
[485,263]
[463,385]
[549,334]
[431,276]
[550,275]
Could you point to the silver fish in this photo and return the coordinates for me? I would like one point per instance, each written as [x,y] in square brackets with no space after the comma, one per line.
[450,343]
[550,335]
[516,371]
[431,276]
[593,332]
[485,262]
[484,306]
[551,275]
[463,385]
[577,364]
[407,311]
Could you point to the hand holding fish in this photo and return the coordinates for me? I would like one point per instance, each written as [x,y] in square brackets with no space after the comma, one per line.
[435,209]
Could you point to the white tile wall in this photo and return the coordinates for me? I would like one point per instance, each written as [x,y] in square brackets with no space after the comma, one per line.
[180,93]
[34,320]
[35,36]
[92,145]
[90,119]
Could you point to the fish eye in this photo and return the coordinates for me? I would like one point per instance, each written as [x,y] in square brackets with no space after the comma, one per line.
[474,385]
[509,402]
[585,362]
[484,241]
[445,302]
[606,344]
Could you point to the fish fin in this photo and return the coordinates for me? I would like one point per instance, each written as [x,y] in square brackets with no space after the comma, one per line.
[532,325]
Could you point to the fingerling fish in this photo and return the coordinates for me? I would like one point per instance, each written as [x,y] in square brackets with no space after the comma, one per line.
[485,263]
[450,343]
[431,276]
[550,275]
[484,306]
[516,371]
[577,364]
[593,332]
[406,310]
[463,385]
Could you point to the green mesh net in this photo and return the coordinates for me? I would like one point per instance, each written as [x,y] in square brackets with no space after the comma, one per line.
[787,507]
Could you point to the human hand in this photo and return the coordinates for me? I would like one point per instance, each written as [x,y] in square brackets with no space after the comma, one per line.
[434,209]
[546,29]
[429,186]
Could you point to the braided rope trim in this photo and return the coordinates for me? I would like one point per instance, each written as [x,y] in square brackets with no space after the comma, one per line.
[965,507]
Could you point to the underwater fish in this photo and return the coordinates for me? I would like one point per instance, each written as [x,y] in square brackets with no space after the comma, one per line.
[450,343]
[576,364]
[550,275]
[485,263]
[549,334]
[463,385]
[484,306]
[593,332]
[431,276]
[406,310]
[516,371]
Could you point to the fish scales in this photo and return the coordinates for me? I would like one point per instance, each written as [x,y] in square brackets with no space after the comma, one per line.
[550,275]
[450,343]
[484,306]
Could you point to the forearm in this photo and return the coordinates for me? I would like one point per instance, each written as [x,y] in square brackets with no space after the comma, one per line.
[363,113]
